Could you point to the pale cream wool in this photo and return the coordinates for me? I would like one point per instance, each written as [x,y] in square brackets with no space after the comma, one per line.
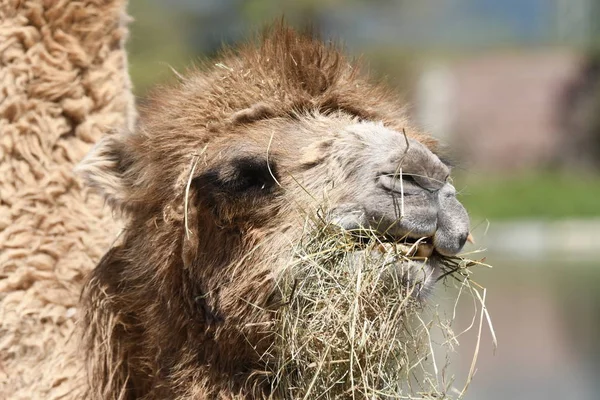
[63,84]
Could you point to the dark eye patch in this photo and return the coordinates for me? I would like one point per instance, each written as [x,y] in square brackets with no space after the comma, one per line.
[251,173]
[409,178]
[242,175]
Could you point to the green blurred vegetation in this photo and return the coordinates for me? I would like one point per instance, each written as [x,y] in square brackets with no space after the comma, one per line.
[546,195]
[167,36]
[156,44]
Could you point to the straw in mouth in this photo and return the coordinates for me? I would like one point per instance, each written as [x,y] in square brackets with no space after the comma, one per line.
[345,328]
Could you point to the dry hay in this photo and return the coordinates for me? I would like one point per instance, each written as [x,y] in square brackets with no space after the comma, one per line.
[351,322]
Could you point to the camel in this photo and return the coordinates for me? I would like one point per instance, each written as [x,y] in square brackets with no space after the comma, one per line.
[196,211]
[63,84]
[215,186]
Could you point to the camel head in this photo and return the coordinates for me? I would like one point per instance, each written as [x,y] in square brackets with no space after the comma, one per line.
[226,172]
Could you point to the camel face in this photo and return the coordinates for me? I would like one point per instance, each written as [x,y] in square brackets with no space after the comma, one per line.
[226,172]
[360,174]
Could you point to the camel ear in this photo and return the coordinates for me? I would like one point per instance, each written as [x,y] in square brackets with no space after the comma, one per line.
[108,169]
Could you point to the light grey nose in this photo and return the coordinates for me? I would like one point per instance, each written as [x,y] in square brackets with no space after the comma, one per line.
[453,223]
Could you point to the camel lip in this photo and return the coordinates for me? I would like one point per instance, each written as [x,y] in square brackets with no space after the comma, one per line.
[419,248]
[416,259]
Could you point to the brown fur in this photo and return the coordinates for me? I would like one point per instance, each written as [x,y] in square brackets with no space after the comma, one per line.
[176,309]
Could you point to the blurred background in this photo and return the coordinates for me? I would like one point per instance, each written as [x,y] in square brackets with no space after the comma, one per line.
[513,88]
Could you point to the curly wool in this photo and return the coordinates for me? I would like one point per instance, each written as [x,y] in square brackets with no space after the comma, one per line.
[63,83]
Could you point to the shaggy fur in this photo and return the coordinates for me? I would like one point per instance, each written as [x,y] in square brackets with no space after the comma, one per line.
[63,82]
[215,184]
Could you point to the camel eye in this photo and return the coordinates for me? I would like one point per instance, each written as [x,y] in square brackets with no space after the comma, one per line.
[247,174]
[408,178]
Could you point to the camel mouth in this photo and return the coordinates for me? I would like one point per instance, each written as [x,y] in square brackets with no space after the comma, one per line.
[416,248]
[421,249]
[412,260]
